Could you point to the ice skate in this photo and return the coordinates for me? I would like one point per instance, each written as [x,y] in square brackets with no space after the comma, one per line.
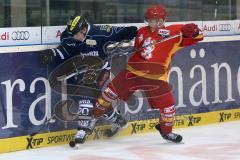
[85,128]
[80,138]
[172,137]
[118,122]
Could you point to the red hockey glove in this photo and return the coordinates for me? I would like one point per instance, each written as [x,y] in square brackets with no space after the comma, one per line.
[190,30]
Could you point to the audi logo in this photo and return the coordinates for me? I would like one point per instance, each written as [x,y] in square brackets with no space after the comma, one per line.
[225,27]
[20,35]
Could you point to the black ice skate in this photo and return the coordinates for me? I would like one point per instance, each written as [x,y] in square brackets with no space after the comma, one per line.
[118,122]
[172,137]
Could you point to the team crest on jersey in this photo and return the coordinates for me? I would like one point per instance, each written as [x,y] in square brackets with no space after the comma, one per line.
[163,32]
[148,48]
[106,28]
[91,42]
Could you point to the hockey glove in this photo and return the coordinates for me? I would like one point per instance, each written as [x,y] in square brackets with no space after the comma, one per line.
[46,56]
[190,30]
[131,32]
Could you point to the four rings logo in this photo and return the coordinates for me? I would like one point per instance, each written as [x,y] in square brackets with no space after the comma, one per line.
[225,27]
[20,35]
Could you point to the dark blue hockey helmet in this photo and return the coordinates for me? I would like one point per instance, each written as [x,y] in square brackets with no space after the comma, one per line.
[76,24]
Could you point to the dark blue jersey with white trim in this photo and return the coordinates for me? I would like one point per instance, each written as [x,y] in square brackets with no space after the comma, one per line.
[93,46]
[95,40]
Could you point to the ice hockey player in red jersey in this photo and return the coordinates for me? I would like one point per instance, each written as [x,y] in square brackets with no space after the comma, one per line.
[148,67]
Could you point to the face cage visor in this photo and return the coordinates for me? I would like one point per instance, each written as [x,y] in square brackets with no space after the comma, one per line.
[155,23]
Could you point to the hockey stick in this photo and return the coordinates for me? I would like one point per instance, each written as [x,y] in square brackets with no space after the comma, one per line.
[141,48]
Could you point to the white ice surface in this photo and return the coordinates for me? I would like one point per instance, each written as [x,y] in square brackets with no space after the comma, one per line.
[212,142]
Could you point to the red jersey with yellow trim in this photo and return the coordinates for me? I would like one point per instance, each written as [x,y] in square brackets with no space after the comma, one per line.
[153,61]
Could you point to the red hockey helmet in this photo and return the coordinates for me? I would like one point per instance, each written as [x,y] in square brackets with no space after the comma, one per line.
[156,12]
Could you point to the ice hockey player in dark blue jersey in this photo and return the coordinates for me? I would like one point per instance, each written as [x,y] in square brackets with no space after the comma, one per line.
[81,37]
[87,40]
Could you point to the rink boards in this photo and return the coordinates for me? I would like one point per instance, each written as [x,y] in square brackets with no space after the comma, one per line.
[205,79]
[136,127]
